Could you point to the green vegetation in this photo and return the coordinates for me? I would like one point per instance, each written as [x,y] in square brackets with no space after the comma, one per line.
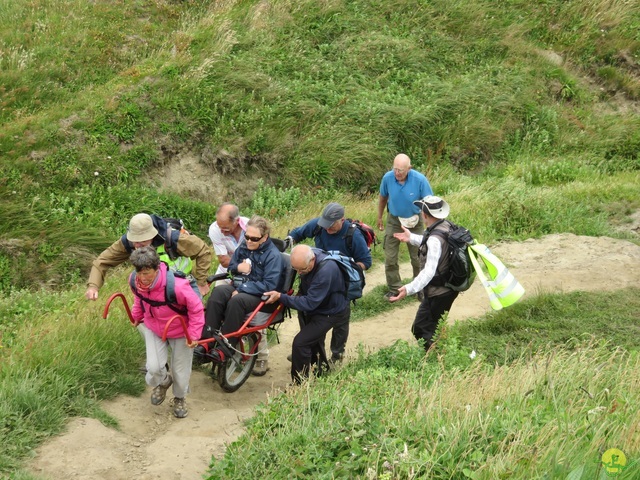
[313,98]
[546,407]
[58,358]
[522,114]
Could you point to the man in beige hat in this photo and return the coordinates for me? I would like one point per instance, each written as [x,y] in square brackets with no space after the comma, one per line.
[180,250]
[434,258]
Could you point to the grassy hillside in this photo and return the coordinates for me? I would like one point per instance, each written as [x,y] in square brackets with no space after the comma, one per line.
[524,115]
[98,97]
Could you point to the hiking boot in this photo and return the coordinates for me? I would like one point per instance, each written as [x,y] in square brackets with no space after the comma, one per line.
[260,368]
[179,407]
[160,392]
[390,294]
[337,357]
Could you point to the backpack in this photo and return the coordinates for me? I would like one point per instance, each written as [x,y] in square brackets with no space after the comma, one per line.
[368,233]
[461,273]
[169,293]
[352,273]
[176,224]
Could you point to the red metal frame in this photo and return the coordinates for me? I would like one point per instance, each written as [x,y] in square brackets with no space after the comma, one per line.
[126,306]
[245,329]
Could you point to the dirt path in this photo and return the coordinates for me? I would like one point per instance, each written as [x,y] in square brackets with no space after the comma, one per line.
[153,444]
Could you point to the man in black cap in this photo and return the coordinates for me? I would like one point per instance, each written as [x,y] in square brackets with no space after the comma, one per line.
[434,258]
[333,233]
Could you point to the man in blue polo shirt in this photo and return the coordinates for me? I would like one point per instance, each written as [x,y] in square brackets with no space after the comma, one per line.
[333,233]
[398,190]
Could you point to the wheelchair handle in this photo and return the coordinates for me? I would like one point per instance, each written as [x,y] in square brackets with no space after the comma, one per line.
[184,328]
[217,276]
[126,307]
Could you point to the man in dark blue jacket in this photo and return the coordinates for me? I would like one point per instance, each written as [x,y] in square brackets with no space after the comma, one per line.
[333,233]
[322,301]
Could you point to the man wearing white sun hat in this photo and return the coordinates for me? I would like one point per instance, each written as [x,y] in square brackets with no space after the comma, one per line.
[434,258]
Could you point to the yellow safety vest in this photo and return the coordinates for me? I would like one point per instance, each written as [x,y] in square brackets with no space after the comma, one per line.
[503,288]
[180,264]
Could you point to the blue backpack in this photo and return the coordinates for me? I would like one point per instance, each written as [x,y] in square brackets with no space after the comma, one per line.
[352,273]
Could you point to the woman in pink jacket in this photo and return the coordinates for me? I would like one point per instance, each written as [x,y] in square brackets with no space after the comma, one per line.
[150,305]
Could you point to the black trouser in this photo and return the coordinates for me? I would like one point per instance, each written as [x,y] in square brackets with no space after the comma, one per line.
[227,313]
[339,334]
[428,316]
[308,344]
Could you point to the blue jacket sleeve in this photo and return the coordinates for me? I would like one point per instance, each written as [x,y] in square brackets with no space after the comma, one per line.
[236,258]
[268,279]
[309,302]
[305,231]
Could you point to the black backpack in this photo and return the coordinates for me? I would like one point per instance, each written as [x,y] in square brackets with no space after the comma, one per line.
[461,273]
[169,294]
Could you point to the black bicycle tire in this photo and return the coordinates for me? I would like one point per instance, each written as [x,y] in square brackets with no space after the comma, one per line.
[229,378]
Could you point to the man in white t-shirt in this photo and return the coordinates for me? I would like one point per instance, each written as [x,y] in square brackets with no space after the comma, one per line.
[226,233]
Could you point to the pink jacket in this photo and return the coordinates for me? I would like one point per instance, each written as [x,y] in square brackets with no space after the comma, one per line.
[155,318]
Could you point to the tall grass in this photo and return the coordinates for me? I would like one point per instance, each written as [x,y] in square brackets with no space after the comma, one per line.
[58,359]
[551,410]
[317,96]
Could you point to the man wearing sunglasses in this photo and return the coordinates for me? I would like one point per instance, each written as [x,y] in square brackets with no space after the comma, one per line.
[257,267]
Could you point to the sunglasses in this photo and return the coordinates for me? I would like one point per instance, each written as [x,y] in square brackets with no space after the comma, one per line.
[254,239]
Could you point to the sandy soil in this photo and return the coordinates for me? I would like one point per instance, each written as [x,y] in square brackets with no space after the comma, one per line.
[152,444]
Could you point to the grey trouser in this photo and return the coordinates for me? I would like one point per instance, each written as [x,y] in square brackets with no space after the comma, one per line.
[392,248]
[157,355]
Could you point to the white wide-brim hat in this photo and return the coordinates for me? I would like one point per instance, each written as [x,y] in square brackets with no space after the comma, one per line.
[434,206]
